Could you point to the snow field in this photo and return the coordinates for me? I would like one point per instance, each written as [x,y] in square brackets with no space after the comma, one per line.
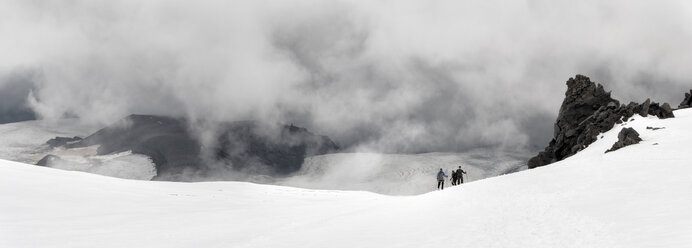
[393,174]
[26,142]
[399,174]
[638,196]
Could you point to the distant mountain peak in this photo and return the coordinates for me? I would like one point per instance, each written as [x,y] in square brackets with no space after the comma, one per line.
[180,156]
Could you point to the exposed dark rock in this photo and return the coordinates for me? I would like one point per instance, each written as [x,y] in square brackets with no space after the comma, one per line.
[165,140]
[655,128]
[687,102]
[645,108]
[662,112]
[61,141]
[180,156]
[586,111]
[287,146]
[627,136]
[47,160]
[667,110]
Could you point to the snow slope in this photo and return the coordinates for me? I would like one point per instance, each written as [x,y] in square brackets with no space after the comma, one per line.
[394,174]
[400,174]
[638,196]
[121,165]
[26,142]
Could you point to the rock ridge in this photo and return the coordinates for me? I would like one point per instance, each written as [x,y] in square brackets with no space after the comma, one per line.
[587,111]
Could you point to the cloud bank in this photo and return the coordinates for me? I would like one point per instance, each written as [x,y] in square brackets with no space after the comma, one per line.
[389,76]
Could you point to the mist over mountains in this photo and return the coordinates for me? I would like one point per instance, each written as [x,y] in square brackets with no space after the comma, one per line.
[14,90]
[404,76]
[306,123]
[234,150]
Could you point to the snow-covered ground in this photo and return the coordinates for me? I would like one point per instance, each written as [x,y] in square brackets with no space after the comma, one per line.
[638,196]
[121,165]
[26,142]
[400,174]
[394,174]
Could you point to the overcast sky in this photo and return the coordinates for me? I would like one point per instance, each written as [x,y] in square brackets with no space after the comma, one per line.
[393,76]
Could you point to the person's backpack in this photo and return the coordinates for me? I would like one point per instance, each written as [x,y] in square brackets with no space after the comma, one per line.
[440,175]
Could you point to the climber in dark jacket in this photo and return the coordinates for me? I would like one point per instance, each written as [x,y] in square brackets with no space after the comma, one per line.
[455,177]
[460,178]
[441,179]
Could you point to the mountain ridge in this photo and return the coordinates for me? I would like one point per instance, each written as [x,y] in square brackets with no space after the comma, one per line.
[587,111]
[180,156]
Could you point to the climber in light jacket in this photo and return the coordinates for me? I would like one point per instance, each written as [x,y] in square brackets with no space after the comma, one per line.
[441,179]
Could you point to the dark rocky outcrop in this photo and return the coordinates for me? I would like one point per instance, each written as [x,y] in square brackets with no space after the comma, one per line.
[586,111]
[687,102]
[627,136]
[661,111]
[165,140]
[47,160]
[180,156]
[239,142]
[61,141]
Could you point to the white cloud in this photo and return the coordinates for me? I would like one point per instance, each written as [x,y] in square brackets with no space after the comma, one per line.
[392,75]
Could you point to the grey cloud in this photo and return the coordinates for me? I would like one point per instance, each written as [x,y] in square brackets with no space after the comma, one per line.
[15,88]
[404,76]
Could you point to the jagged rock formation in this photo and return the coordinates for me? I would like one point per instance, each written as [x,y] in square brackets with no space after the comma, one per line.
[627,136]
[180,156]
[587,111]
[652,108]
[687,102]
